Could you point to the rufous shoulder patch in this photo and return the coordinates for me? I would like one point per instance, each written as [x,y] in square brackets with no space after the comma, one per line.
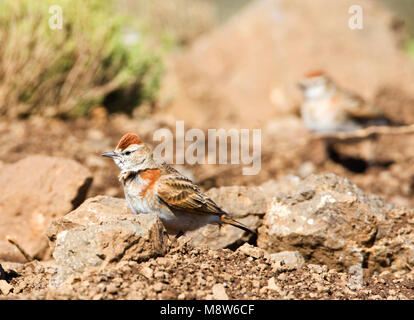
[127,140]
[152,176]
[334,98]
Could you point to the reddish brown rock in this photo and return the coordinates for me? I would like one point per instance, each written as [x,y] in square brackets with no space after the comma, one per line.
[332,222]
[92,211]
[102,232]
[36,190]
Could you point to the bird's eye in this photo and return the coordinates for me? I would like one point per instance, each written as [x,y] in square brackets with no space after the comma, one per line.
[128,153]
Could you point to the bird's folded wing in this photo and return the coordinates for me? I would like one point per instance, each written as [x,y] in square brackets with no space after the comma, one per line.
[182,194]
[356,107]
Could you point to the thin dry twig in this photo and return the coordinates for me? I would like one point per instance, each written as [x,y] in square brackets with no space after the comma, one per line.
[27,256]
[347,137]
[368,132]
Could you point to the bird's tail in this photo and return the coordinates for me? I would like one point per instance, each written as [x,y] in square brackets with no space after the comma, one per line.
[226,219]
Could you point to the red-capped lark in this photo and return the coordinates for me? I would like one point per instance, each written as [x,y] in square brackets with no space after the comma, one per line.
[154,187]
[328,108]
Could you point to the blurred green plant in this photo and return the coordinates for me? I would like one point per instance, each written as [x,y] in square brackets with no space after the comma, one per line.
[410,48]
[173,23]
[64,72]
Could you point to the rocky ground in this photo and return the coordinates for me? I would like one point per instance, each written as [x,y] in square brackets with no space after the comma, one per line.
[199,273]
[345,245]
[331,224]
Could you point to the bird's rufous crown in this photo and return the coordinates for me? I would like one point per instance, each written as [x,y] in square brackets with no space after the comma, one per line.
[128,139]
[315,74]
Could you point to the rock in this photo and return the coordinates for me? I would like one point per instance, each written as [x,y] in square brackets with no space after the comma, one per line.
[219,292]
[100,233]
[92,211]
[234,56]
[239,201]
[271,284]
[332,222]
[251,251]
[246,204]
[126,238]
[285,184]
[287,260]
[146,272]
[36,190]
[5,288]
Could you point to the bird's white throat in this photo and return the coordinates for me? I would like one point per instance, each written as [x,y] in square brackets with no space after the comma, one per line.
[315,92]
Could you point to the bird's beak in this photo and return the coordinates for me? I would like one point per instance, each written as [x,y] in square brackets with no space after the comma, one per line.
[109,154]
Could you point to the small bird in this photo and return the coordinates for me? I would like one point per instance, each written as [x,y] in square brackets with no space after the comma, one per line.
[329,108]
[151,186]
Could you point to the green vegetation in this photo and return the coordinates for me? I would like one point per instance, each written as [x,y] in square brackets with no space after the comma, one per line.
[64,72]
[173,23]
[410,48]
